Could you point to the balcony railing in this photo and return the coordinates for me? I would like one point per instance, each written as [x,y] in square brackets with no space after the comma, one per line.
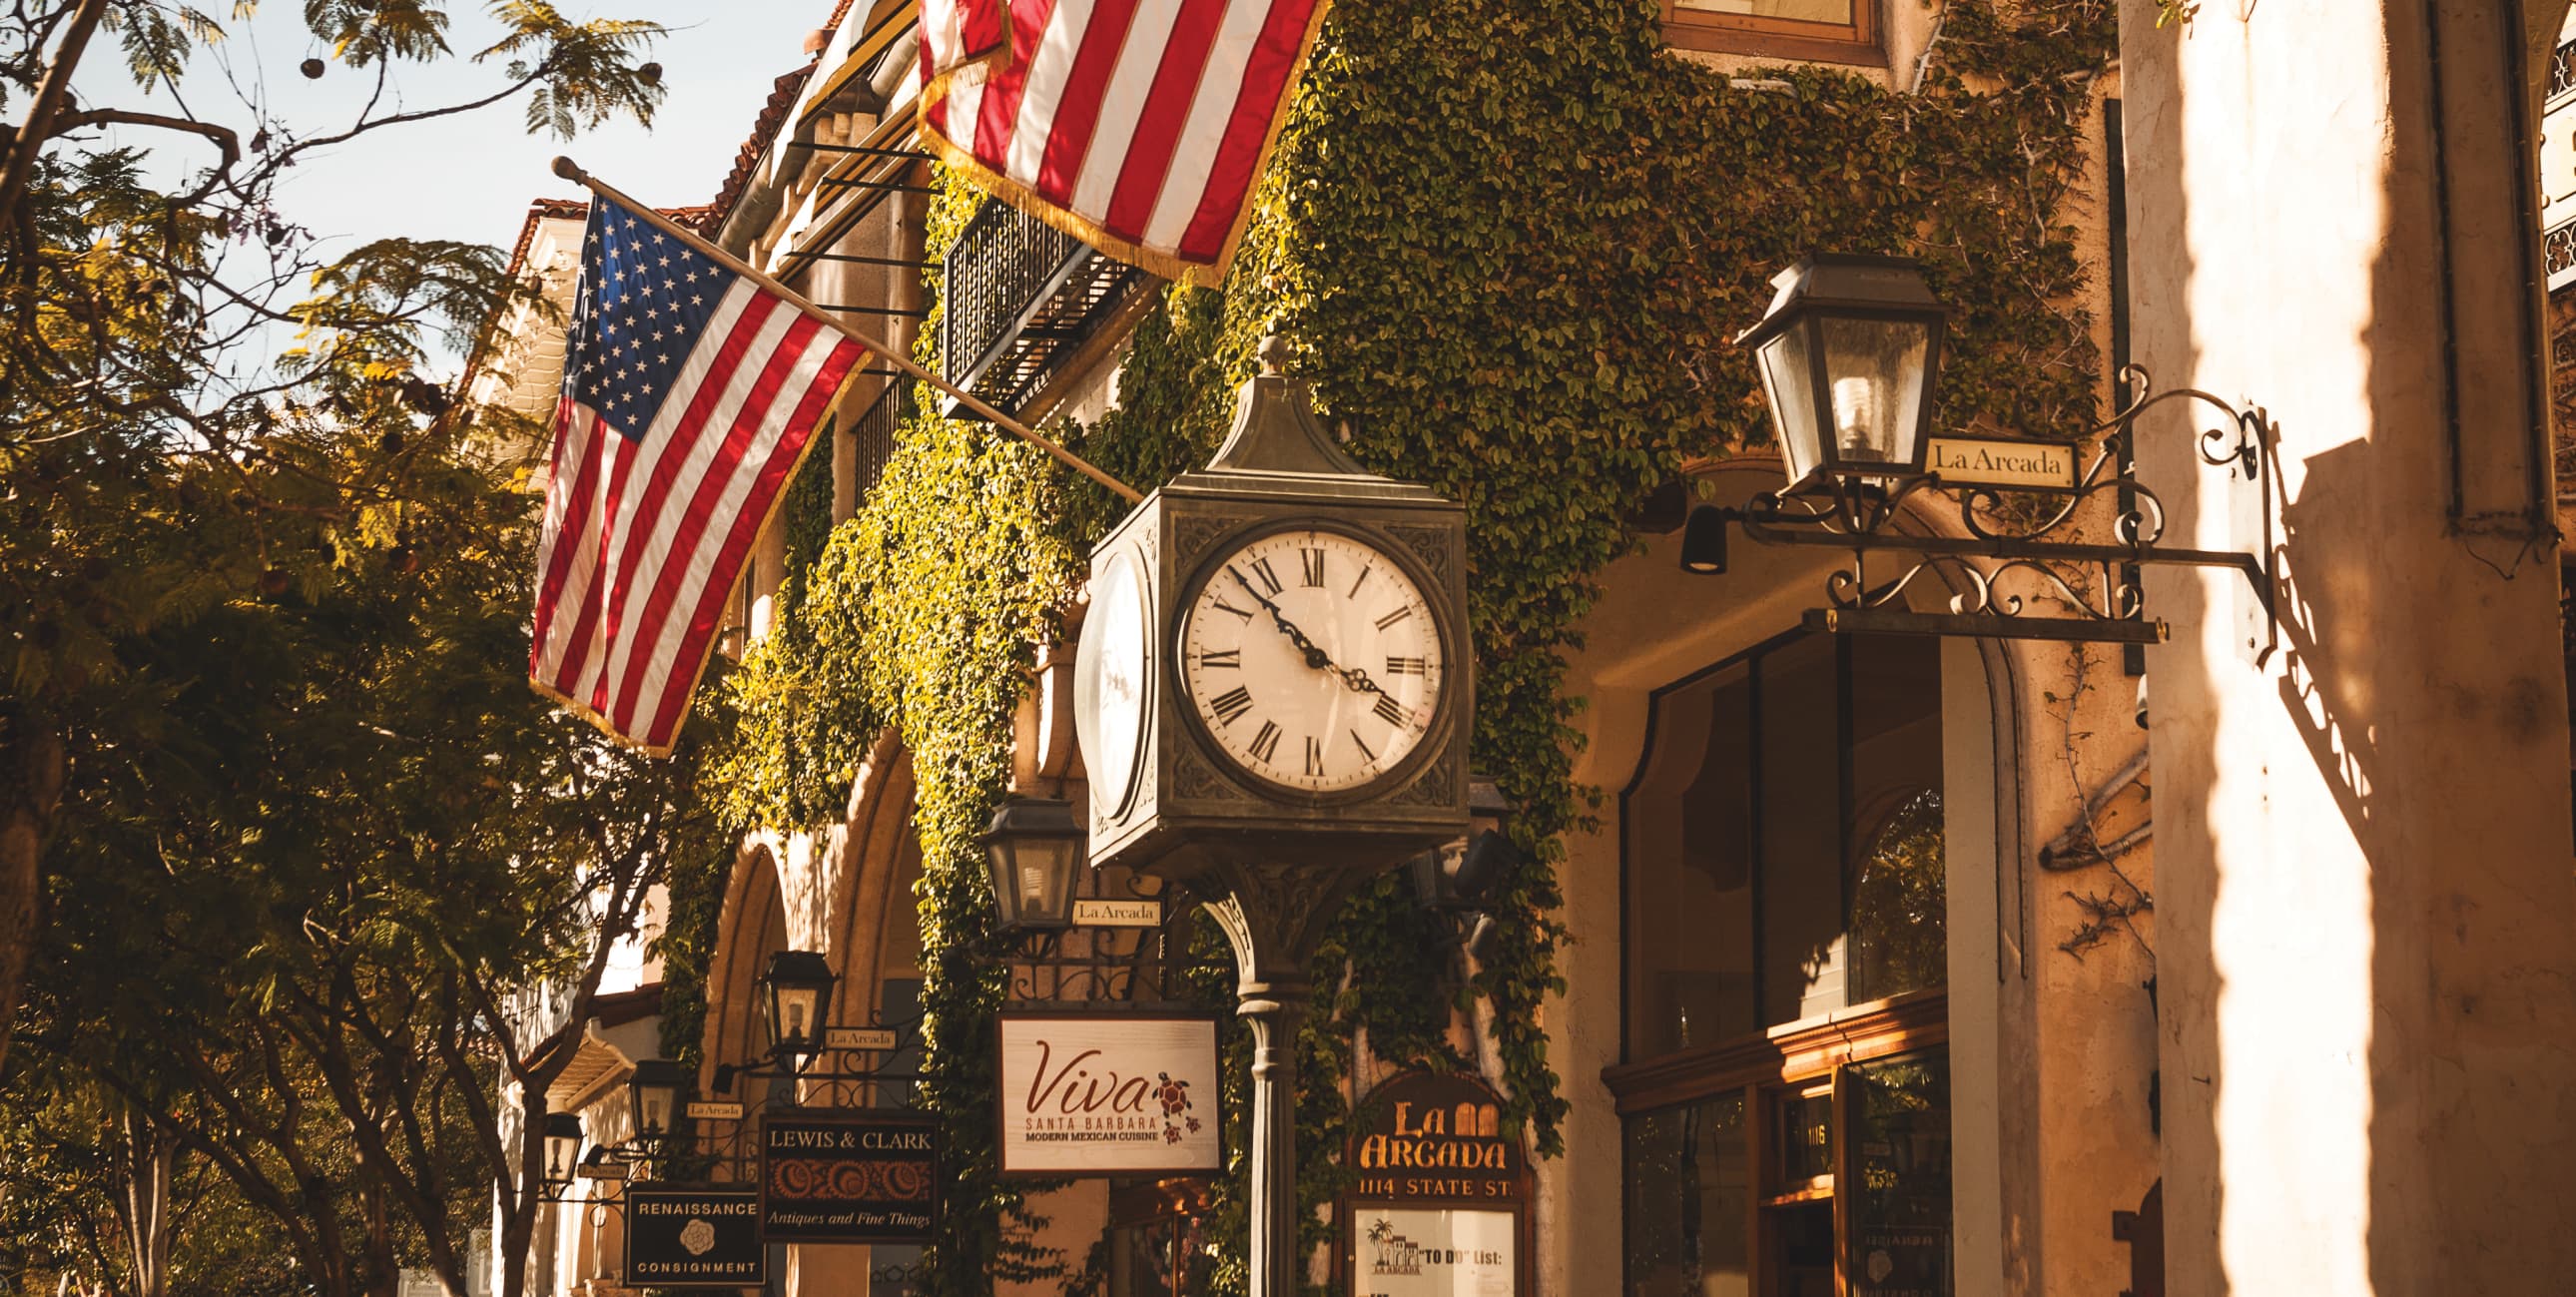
[1021,299]
[875,433]
[2562,70]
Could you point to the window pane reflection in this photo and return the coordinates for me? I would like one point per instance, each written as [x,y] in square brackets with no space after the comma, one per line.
[1784,841]
[1900,1215]
[1689,1184]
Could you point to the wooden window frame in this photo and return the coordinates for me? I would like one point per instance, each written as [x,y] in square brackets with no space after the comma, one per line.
[1784,1055]
[1782,1062]
[1856,42]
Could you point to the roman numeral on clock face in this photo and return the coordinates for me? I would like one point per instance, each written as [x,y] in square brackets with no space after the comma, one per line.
[1231,704]
[1266,743]
[1261,571]
[1396,666]
[1314,756]
[1310,564]
[1391,711]
[1392,618]
[1231,658]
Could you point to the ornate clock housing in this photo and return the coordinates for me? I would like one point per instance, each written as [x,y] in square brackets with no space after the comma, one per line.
[1113,677]
[1309,677]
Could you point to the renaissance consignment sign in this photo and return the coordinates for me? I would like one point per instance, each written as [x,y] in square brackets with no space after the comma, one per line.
[693,1238]
[1108,1094]
[848,1176]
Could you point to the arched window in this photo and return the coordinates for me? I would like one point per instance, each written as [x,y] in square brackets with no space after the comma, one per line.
[1785,1094]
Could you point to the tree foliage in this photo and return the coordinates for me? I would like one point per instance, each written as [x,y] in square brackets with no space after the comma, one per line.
[303,879]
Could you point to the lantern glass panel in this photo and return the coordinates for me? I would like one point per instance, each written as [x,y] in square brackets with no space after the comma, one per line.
[563,1145]
[1046,877]
[652,1108]
[1875,371]
[794,1019]
[1788,378]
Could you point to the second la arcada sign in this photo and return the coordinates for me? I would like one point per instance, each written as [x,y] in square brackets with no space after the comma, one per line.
[1439,1205]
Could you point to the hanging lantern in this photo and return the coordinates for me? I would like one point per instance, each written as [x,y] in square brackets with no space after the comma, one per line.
[1849,353]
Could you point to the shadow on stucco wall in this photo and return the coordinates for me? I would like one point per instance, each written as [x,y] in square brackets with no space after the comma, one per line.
[2160,269]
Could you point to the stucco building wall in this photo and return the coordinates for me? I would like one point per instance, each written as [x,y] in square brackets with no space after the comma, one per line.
[2363,842]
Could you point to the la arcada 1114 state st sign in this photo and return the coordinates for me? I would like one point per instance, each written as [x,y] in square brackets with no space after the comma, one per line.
[1439,1205]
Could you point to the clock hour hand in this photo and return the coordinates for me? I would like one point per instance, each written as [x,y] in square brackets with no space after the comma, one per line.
[1355,677]
[1315,657]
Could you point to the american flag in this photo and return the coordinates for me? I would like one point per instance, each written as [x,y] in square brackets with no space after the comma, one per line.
[1138,126]
[689,395]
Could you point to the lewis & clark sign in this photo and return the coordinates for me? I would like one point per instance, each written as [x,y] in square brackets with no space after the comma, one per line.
[848,1176]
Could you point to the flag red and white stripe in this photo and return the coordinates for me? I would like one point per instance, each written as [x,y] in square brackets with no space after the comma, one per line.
[690,395]
[1138,126]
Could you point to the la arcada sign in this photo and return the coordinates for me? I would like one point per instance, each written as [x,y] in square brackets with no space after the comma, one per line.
[1439,1206]
[1433,1138]
[2001,462]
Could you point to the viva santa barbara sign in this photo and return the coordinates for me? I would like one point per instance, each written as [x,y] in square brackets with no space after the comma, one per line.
[1108,1094]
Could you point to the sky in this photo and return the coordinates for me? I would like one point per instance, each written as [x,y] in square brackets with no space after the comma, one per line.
[470,177]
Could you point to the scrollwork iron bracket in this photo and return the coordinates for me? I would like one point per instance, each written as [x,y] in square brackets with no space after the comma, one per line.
[1983,537]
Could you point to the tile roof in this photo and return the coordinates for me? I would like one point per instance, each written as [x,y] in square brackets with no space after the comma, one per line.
[541,210]
[746,160]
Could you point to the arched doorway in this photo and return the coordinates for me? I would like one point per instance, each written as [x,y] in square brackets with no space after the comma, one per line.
[1809,863]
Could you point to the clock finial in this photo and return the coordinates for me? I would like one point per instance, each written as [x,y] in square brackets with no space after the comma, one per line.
[1274,355]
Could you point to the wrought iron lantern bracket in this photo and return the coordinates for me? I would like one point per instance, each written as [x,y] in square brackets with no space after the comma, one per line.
[1101,969]
[2003,530]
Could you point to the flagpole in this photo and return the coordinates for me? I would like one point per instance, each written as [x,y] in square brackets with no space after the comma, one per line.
[570,170]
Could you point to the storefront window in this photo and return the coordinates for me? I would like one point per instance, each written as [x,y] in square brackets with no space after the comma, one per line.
[1784,841]
[1900,1210]
[1786,1096]
[1156,1244]
[1689,1189]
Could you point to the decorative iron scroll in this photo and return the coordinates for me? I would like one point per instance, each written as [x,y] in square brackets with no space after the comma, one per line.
[1988,537]
[1106,969]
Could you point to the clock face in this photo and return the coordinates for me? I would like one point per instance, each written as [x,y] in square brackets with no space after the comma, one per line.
[1111,671]
[1313,659]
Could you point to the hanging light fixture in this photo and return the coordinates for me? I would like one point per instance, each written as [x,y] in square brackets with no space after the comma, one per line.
[1849,353]
[653,1095]
[563,1147]
[1035,848]
[797,987]
[1463,874]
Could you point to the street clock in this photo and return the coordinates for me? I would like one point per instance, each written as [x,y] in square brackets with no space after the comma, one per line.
[1275,659]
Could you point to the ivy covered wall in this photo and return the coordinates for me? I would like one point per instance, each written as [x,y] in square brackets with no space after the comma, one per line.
[1508,240]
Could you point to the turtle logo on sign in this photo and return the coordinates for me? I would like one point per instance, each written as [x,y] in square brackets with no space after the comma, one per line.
[1174,1096]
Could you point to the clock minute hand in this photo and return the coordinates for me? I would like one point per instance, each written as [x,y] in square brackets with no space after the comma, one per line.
[1315,657]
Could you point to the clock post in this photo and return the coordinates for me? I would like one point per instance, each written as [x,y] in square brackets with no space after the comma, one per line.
[1273,697]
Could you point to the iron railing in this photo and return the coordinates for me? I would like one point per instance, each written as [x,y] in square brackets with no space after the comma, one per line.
[875,433]
[2562,70]
[1021,298]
